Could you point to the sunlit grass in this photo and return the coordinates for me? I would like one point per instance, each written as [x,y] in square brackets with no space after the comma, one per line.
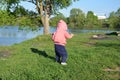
[88,59]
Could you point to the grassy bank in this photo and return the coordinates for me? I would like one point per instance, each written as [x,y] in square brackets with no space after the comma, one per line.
[88,59]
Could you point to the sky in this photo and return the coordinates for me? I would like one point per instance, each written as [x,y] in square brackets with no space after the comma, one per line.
[99,7]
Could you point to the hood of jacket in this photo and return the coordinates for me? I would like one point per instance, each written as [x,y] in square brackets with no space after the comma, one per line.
[62,26]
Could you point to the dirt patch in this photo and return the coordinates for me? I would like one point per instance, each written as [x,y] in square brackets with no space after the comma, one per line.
[117,69]
[4,54]
[115,75]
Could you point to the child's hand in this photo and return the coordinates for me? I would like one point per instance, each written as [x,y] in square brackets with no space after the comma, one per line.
[72,35]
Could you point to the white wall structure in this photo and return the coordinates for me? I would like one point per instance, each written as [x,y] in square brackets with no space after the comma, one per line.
[101,17]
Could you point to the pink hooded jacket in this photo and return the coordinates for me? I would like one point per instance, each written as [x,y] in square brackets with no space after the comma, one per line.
[61,34]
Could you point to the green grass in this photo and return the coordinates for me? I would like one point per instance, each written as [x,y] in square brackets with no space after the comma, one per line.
[88,59]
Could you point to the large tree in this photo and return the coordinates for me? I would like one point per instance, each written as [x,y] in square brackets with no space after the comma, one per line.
[46,8]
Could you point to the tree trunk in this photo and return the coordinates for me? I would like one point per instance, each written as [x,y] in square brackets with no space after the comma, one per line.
[44,17]
[46,24]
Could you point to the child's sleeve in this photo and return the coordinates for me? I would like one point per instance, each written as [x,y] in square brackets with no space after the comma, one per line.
[67,35]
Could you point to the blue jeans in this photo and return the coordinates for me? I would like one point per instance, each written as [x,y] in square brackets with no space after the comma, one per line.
[60,52]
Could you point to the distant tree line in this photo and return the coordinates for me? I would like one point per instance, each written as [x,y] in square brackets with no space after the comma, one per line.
[78,19]
[15,14]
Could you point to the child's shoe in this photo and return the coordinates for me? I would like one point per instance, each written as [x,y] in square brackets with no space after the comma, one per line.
[63,63]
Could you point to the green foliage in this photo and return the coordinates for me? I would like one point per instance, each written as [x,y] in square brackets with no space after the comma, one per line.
[114,20]
[2,6]
[77,18]
[91,20]
[10,4]
[6,18]
[20,11]
[88,59]
[59,4]
[24,21]
[33,23]
[56,18]
[18,15]
[118,12]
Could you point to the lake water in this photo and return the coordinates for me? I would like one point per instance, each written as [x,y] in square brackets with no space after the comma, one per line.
[12,35]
